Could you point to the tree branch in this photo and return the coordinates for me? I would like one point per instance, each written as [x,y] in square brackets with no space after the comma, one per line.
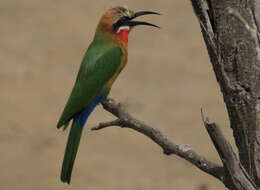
[230,30]
[125,120]
[236,176]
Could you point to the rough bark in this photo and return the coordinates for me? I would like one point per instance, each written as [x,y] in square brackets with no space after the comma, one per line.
[236,177]
[231,33]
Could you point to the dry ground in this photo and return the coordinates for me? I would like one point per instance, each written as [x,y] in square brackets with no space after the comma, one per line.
[167,81]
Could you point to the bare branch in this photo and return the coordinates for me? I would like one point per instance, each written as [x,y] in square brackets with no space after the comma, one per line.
[117,122]
[127,121]
[236,175]
[235,57]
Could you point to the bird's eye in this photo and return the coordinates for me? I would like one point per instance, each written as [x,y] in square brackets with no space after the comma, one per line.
[120,22]
[124,18]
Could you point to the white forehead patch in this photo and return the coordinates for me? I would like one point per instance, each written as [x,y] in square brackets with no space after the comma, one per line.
[123,28]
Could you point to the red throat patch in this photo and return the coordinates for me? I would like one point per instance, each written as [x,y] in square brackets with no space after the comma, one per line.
[123,34]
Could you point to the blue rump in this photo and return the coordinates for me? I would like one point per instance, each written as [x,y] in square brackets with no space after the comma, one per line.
[83,116]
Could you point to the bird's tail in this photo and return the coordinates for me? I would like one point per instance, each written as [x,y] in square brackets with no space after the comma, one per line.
[74,138]
[71,151]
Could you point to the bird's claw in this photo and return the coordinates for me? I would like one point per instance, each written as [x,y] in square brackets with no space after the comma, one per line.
[110,100]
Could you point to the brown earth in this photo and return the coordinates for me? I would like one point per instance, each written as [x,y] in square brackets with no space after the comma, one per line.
[167,81]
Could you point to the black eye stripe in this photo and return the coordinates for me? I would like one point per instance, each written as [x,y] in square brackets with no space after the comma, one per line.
[120,22]
[124,18]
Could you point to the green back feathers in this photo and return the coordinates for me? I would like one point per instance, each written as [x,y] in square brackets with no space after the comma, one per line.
[99,64]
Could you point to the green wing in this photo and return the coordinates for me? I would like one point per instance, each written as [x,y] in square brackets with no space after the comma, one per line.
[99,64]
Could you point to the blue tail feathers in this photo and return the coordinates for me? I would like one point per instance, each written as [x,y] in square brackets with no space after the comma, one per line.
[83,116]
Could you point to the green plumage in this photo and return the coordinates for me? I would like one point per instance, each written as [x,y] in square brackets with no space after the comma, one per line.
[71,151]
[100,63]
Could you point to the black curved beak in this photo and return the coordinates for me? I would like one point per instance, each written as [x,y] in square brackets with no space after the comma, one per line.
[141,13]
[128,20]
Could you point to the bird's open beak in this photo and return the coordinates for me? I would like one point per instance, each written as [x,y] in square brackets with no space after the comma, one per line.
[132,23]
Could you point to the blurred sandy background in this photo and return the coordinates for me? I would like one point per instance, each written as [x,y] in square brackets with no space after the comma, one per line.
[167,80]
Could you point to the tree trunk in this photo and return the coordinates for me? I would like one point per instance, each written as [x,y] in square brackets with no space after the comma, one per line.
[231,32]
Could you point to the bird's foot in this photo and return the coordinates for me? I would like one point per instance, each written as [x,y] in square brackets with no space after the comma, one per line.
[108,100]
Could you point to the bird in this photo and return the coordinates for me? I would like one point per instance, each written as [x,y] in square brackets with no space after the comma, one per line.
[103,61]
